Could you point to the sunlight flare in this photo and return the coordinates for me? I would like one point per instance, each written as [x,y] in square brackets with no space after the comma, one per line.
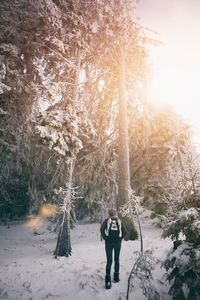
[34,222]
[47,210]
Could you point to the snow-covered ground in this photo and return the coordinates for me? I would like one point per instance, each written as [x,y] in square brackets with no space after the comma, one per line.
[29,271]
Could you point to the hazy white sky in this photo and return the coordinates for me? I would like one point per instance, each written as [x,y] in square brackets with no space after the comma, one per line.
[177,61]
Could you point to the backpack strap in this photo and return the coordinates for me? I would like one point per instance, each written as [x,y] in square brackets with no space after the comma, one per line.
[108,226]
[120,227]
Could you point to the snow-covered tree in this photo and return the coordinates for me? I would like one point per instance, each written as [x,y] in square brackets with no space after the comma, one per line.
[40,43]
[183,262]
[123,52]
[157,139]
[119,46]
[16,103]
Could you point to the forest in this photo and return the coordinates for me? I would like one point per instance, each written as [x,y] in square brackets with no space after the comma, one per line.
[78,134]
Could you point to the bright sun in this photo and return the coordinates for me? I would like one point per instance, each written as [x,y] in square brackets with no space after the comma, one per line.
[176,62]
[176,84]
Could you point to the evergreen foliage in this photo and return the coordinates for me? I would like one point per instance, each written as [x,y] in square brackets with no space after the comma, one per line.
[157,139]
[183,260]
[132,233]
[40,71]
[59,106]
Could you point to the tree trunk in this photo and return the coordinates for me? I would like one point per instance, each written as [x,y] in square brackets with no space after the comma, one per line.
[124,170]
[63,247]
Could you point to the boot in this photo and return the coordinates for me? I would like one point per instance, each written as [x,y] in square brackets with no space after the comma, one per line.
[108,282]
[116,277]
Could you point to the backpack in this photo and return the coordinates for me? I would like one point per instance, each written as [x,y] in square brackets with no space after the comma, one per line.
[114,229]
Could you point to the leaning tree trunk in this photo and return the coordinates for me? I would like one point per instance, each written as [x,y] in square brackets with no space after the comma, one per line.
[63,247]
[124,169]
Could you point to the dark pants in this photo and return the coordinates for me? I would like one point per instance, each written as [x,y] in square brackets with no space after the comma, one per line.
[109,251]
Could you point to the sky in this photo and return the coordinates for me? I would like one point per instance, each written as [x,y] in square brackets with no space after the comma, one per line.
[176,63]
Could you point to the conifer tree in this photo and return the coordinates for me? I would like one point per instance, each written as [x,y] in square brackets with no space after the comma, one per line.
[122,59]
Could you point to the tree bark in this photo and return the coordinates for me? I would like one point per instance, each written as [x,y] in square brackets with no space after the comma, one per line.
[124,169]
[63,247]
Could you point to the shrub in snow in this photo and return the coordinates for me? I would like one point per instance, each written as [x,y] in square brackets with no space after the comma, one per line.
[183,261]
[131,232]
[142,270]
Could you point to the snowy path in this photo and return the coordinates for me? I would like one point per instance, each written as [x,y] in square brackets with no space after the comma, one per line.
[28,270]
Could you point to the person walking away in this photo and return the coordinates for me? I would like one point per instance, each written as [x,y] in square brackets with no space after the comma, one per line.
[112,231]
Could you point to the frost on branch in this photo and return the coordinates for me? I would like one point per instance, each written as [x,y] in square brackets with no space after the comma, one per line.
[132,207]
[58,129]
[187,225]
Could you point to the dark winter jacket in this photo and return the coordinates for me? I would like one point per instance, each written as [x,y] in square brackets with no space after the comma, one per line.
[105,232]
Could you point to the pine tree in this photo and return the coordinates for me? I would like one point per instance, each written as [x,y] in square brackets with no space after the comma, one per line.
[182,262]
